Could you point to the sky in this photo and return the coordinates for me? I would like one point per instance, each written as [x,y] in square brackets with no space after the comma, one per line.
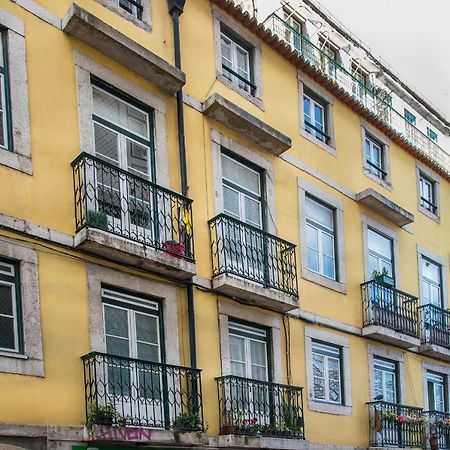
[413,36]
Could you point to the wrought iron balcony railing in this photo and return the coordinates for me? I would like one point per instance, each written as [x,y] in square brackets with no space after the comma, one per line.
[246,251]
[127,205]
[389,307]
[131,392]
[253,407]
[393,425]
[375,99]
[438,429]
[434,325]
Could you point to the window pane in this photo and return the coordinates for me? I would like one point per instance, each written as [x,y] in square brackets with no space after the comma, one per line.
[146,328]
[7,339]
[252,211]
[240,175]
[259,373]
[116,321]
[231,202]
[226,51]
[237,349]
[379,244]
[106,143]
[329,267]
[148,352]
[335,391]
[137,158]
[258,353]
[319,213]
[318,117]
[117,346]
[431,271]
[137,121]
[6,300]
[238,369]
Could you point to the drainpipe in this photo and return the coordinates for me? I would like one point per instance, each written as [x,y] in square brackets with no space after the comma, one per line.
[175,10]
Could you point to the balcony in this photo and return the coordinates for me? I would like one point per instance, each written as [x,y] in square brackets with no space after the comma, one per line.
[371,99]
[126,218]
[393,425]
[390,315]
[438,429]
[129,392]
[259,408]
[253,265]
[434,332]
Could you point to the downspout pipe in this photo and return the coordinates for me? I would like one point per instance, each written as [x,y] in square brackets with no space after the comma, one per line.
[175,10]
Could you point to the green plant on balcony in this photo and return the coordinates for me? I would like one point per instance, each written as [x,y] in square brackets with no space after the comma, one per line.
[97,219]
[382,277]
[292,418]
[187,422]
[102,415]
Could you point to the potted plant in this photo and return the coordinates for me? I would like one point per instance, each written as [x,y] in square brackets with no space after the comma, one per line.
[102,415]
[187,422]
[383,278]
[97,219]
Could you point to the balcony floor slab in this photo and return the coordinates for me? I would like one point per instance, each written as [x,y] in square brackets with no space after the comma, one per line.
[126,251]
[389,336]
[435,351]
[239,441]
[255,293]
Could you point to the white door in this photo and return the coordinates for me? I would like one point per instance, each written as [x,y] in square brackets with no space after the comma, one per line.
[122,138]
[131,327]
[242,200]
[248,359]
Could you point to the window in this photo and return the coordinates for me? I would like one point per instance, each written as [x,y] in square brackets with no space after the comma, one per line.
[236,62]
[314,114]
[5,118]
[432,134]
[380,253]
[410,117]
[320,238]
[373,151]
[293,31]
[427,194]
[436,386]
[328,57]
[431,283]
[134,7]
[385,380]
[242,191]
[248,351]
[326,373]
[122,137]
[360,81]
[11,336]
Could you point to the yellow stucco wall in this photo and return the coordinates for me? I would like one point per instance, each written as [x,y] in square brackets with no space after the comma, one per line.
[46,198]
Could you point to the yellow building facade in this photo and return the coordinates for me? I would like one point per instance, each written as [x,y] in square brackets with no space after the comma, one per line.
[290,292]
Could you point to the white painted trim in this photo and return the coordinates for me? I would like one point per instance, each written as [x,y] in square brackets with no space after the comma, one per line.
[168,294]
[20,156]
[232,310]
[387,353]
[145,23]
[219,141]
[383,229]
[86,66]
[423,252]
[312,334]
[32,361]
[255,58]
[339,285]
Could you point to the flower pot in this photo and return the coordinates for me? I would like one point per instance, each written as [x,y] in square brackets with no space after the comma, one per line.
[174,248]
[229,429]
[384,280]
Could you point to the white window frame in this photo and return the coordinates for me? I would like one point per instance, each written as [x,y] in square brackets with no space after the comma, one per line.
[222,22]
[15,317]
[296,25]
[345,407]
[374,136]
[309,114]
[424,172]
[322,231]
[307,189]
[326,362]
[383,375]
[429,374]
[323,98]
[248,362]
[429,366]
[379,257]
[145,22]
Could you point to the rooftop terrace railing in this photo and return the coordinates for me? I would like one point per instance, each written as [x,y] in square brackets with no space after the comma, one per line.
[374,99]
